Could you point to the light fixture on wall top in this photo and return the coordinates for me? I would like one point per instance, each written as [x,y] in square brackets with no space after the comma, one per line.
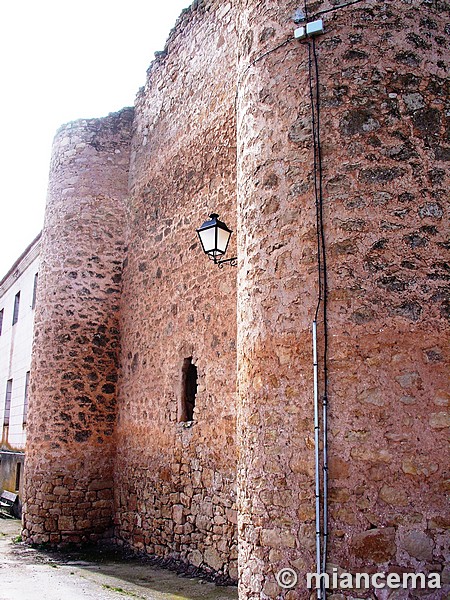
[214,237]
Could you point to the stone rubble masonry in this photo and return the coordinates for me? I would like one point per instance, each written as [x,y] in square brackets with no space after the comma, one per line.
[175,483]
[223,124]
[69,454]
[385,190]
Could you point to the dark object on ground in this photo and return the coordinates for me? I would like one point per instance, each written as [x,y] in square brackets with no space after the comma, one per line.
[9,505]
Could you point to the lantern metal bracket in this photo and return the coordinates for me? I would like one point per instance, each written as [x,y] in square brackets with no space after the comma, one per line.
[220,263]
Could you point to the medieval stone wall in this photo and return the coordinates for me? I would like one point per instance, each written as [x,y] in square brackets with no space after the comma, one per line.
[175,481]
[382,126]
[69,453]
[224,125]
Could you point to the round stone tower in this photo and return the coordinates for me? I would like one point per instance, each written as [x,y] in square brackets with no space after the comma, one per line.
[380,81]
[68,492]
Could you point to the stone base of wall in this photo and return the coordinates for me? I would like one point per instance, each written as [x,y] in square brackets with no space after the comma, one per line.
[68,512]
[181,516]
[181,567]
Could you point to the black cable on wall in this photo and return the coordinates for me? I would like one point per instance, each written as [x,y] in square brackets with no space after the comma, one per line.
[313,68]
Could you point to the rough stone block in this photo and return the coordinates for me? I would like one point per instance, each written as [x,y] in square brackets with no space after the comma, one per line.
[375,545]
[212,558]
[418,545]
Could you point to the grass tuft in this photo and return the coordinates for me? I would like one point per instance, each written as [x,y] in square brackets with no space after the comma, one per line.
[119,590]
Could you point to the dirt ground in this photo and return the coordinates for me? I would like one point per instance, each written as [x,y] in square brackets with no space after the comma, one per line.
[30,574]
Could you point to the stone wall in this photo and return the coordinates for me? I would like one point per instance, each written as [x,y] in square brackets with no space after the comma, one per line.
[381,69]
[226,106]
[175,481]
[72,408]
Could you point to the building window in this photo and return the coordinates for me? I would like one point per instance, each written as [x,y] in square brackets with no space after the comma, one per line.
[33,302]
[1,321]
[18,473]
[25,398]
[188,389]
[16,308]
[7,402]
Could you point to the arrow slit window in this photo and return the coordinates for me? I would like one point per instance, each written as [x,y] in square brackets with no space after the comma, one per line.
[188,390]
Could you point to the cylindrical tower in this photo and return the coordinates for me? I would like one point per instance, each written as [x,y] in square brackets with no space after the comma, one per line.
[376,75]
[68,491]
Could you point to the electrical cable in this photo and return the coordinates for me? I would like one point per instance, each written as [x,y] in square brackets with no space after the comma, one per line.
[253,62]
[322,293]
[325,324]
[319,552]
[316,188]
[337,7]
[322,232]
[258,58]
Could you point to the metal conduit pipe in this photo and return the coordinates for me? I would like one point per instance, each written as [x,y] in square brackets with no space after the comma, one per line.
[325,490]
[316,453]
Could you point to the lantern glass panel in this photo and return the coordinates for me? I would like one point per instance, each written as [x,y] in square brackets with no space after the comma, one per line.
[223,237]
[208,239]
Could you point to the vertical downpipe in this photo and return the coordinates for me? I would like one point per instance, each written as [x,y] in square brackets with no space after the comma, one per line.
[316,453]
[325,486]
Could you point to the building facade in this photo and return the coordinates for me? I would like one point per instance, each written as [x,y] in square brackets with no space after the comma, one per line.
[172,403]
[17,304]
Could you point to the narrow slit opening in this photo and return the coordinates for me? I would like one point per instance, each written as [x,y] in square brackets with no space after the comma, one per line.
[188,390]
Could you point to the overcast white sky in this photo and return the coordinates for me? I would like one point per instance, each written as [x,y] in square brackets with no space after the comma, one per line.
[62,60]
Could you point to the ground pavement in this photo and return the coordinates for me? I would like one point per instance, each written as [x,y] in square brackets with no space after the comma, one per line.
[30,574]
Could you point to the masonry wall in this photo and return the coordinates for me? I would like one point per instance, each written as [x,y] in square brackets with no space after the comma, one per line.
[175,481]
[382,127]
[69,452]
[203,128]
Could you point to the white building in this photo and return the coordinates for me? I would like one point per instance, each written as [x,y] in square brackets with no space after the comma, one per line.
[17,301]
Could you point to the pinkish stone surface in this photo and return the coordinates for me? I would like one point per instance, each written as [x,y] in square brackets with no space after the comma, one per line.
[223,124]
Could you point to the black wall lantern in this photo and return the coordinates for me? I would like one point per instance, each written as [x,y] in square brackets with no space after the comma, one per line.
[214,237]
